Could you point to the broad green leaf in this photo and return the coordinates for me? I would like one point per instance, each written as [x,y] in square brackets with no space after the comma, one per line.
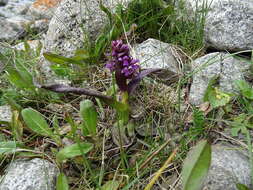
[196,166]
[111,185]
[89,115]
[16,78]
[9,147]
[61,69]
[245,89]
[62,182]
[241,187]
[36,122]
[58,59]
[73,151]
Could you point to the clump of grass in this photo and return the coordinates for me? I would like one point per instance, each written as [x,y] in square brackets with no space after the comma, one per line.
[167,21]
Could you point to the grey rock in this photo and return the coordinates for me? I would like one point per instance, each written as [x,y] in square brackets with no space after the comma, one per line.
[153,53]
[224,65]
[3,2]
[73,21]
[35,174]
[40,26]
[10,30]
[229,23]
[15,8]
[229,166]
[5,113]
[34,44]
[43,9]
[71,24]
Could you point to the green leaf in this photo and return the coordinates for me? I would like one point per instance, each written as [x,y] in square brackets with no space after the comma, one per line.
[196,166]
[245,89]
[62,182]
[17,79]
[61,69]
[215,96]
[58,59]
[241,187]
[36,122]
[89,115]
[241,123]
[9,147]
[73,151]
[111,185]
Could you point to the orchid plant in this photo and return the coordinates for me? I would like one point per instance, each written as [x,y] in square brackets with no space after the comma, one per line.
[128,75]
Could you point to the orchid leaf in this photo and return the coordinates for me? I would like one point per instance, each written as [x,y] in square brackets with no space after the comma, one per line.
[89,115]
[36,122]
[60,88]
[196,166]
[136,80]
[73,150]
[59,59]
[62,182]
[10,147]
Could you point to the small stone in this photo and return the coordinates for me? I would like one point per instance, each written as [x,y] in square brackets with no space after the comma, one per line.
[227,67]
[5,113]
[32,43]
[153,53]
[229,166]
[35,174]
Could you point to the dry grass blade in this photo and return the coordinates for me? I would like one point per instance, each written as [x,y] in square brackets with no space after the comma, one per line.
[159,172]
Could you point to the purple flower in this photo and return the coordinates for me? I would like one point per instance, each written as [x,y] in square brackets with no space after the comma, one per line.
[122,62]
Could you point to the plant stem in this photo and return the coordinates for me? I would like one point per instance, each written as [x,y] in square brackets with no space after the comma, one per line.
[122,152]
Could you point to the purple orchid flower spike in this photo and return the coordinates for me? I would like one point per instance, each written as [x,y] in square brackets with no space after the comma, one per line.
[127,70]
[122,63]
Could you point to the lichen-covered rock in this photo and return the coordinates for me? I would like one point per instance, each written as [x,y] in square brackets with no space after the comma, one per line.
[43,9]
[15,7]
[229,166]
[5,111]
[72,22]
[153,53]
[227,67]
[9,30]
[35,174]
[229,23]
